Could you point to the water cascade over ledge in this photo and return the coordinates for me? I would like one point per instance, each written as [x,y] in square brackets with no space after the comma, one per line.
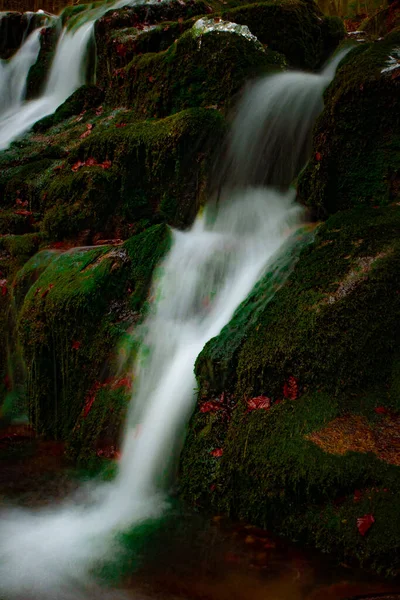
[209,271]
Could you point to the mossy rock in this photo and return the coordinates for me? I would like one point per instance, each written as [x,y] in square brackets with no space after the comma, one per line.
[296,29]
[73,308]
[38,73]
[357,138]
[122,33]
[199,69]
[158,172]
[24,183]
[15,250]
[332,331]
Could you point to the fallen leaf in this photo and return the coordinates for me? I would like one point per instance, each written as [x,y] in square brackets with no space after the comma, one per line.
[217,453]
[24,213]
[210,406]
[364,523]
[318,156]
[381,410]
[76,345]
[259,403]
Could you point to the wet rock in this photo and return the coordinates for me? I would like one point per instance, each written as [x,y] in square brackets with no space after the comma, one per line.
[355,158]
[15,28]
[332,328]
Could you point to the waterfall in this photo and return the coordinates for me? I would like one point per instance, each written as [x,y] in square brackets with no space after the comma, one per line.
[210,269]
[14,73]
[270,139]
[67,73]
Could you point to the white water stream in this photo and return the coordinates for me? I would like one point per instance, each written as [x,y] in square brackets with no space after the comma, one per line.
[66,75]
[210,269]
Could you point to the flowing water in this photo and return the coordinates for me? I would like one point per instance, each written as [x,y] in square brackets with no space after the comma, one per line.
[209,270]
[66,75]
[270,139]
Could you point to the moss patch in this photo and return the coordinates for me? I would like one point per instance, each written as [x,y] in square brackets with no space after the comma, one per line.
[340,354]
[356,139]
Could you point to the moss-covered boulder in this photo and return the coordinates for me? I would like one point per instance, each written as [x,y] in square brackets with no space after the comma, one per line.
[121,34]
[296,29]
[71,314]
[39,72]
[206,66]
[133,175]
[357,138]
[303,409]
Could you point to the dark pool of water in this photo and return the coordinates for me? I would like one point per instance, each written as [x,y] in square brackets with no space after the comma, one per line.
[188,555]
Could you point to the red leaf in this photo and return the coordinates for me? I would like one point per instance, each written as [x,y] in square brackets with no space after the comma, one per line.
[357,495]
[91,162]
[290,388]
[381,410]
[259,403]
[99,111]
[151,78]
[210,406]
[88,404]
[318,156]
[19,202]
[24,213]
[3,286]
[217,453]
[364,523]
[120,125]
[106,164]
[76,345]
[125,382]
[77,166]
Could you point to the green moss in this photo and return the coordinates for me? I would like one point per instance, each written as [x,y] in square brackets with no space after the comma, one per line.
[356,139]
[80,201]
[293,28]
[160,167]
[13,223]
[15,250]
[194,71]
[24,182]
[333,325]
[101,427]
[84,98]
[73,308]
[38,73]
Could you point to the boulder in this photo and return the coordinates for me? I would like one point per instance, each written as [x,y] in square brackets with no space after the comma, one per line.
[300,395]
[355,158]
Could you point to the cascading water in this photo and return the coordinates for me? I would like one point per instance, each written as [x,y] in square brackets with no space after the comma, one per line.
[210,269]
[270,140]
[14,73]
[66,75]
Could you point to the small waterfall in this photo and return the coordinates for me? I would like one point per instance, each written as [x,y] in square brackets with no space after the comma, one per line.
[210,269]
[270,140]
[66,75]
[14,73]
